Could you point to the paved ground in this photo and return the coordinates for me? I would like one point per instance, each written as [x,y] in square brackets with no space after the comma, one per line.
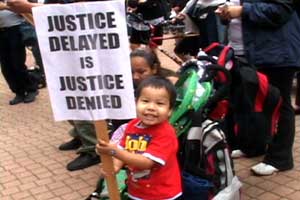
[32,168]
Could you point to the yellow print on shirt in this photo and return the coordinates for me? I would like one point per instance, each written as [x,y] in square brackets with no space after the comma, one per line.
[137,143]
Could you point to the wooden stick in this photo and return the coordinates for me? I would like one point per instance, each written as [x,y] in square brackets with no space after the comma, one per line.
[107,162]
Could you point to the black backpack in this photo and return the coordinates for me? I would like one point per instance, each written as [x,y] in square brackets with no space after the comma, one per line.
[254,110]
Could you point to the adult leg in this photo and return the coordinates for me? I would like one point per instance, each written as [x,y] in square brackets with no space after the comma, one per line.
[74,143]
[12,57]
[279,153]
[87,155]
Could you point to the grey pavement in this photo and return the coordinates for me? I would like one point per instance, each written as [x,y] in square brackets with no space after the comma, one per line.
[32,167]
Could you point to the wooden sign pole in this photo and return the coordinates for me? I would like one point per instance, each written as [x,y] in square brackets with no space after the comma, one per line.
[101,132]
[107,162]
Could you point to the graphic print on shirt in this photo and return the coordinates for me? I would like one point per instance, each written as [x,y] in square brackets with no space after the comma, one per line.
[137,143]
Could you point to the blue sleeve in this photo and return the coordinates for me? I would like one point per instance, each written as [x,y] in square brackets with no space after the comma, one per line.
[273,13]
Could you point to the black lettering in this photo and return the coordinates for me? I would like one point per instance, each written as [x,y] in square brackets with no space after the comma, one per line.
[92,39]
[98,18]
[71,26]
[70,82]
[91,21]
[59,23]
[72,44]
[83,43]
[50,23]
[113,40]
[100,82]
[110,20]
[65,43]
[102,41]
[91,80]
[80,103]
[99,103]
[86,62]
[90,103]
[119,81]
[108,79]
[71,102]
[81,83]
[89,62]
[62,83]
[81,18]
[54,43]
[115,101]
[105,101]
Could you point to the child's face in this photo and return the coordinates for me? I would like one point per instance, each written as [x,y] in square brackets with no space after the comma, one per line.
[153,106]
[140,69]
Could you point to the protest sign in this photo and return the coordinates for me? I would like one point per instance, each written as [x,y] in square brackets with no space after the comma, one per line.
[85,51]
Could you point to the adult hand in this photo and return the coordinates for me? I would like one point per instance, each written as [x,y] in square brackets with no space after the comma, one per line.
[229,12]
[21,6]
[3,6]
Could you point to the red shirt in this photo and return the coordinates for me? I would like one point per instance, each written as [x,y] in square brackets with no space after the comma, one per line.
[158,143]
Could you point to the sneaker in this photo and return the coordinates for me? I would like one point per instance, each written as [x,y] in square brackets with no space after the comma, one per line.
[30,97]
[237,154]
[84,160]
[18,99]
[263,169]
[73,144]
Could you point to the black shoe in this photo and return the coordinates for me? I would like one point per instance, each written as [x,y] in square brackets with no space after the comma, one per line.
[73,144]
[30,97]
[42,83]
[84,160]
[18,99]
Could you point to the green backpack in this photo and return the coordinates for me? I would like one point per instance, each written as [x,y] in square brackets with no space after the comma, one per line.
[101,192]
[192,95]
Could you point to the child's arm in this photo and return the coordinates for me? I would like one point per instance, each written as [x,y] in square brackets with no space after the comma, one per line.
[131,159]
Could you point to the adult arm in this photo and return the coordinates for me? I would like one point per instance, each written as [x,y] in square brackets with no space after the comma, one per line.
[273,13]
[21,6]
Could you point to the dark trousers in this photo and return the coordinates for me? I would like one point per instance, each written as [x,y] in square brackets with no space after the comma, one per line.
[279,153]
[12,58]
[297,100]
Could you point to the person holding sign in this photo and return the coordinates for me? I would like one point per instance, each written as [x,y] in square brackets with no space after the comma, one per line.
[149,145]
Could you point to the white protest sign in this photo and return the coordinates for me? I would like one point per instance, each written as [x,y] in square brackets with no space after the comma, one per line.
[85,51]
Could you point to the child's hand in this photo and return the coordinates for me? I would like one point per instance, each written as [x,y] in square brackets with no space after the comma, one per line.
[105,147]
[180,16]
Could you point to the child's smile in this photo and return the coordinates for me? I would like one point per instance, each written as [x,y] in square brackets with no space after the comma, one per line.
[153,106]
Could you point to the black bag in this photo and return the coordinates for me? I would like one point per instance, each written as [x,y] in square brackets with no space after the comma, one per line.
[255,110]
[207,161]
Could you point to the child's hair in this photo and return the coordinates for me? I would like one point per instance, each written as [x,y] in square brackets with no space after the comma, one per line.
[153,61]
[149,55]
[158,82]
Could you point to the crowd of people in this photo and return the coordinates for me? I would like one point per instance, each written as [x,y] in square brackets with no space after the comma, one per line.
[265,34]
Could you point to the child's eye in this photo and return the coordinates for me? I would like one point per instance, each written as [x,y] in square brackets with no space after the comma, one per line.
[160,103]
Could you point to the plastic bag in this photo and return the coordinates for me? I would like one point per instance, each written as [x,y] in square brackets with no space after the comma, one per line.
[231,192]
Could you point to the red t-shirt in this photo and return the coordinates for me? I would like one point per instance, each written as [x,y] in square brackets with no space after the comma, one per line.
[158,143]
